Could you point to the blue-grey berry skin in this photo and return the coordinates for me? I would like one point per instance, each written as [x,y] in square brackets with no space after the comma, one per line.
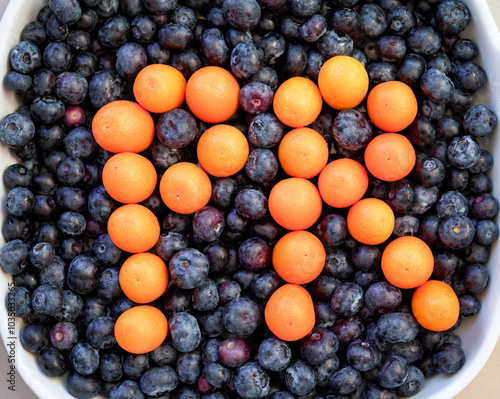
[242,14]
[104,87]
[83,386]
[71,87]
[397,327]
[66,11]
[251,381]
[437,85]
[158,380]
[185,332]
[241,316]
[189,268]
[25,57]
[480,120]
[463,152]
[16,129]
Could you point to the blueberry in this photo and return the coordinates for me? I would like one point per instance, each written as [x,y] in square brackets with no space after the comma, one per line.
[20,201]
[104,87]
[57,57]
[64,335]
[401,196]
[82,275]
[484,206]
[320,344]
[383,297]
[479,121]
[134,365]
[188,367]
[83,386]
[157,54]
[469,76]
[246,59]
[126,389]
[88,20]
[174,36]
[486,232]
[84,358]
[344,20]
[256,97]
[17,175]
[393,372]
[100,204]
[273,46]
[251,381]
[214,47]
[313,28]
[372,20]
[449,359]
[463,152]
[241,14]
[381,71]
[143,28]
[17,82]
[352,129]
[110,367]
[25,57]
[264,284]
[397,327]
[365,257]
[233,352]
[131,58]
[337,264]
[164,355]
[452,203]
[169,244]
[34,337]
[185,332]
[188,268]
[205,296]
[42,254]
[452,16]
[71,308]
[347,299]
[332,44]
[114,32]
[333,229]
[265,130]
[187,62]
[437,85]
[300,378]
[262,165]
[476,278]
[176,128]
[391,48]
[55,29]
[158,380]
[34,32]
[345,380]
[16,129]
[254,254]
[422,132]
[47,109]
[241,316]
[469,305]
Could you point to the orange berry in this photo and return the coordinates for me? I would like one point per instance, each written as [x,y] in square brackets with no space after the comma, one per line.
[143,277]
[185,188]
[222,150]
[289,313]
[123,126]
[343,182]
[212,94]
[303,152]
[370,221]
[159,88]
[392,106]
[141,329]
[133,228]
[297,102]
[129,177]
[435,306]
[390,156]
[295,203]
[407,262]
[298,257]
[343,82]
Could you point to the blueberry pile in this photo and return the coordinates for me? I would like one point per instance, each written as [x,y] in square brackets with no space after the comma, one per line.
[80,55]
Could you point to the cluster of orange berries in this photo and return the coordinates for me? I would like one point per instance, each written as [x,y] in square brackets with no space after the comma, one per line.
[126,128]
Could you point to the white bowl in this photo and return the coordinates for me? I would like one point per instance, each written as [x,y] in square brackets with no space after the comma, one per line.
[479,333]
